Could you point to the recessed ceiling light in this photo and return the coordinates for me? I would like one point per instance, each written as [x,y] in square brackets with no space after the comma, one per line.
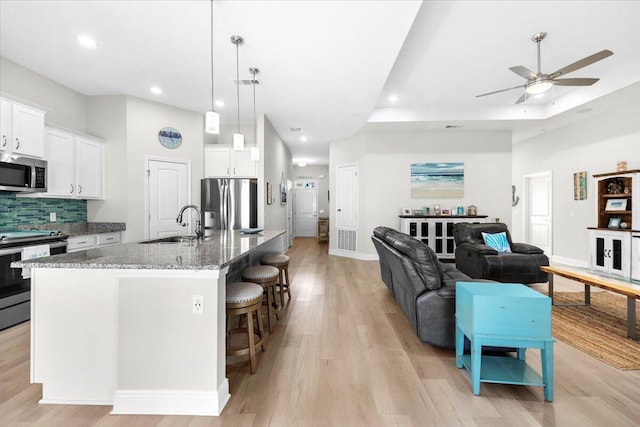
[303,138]
[302,164]
[156,90]
[87,42]
[219,103]
[393,98]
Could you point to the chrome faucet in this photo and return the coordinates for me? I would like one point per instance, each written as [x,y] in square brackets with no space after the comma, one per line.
[198,230]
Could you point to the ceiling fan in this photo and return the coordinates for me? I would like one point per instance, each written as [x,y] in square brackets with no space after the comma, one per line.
[538,82]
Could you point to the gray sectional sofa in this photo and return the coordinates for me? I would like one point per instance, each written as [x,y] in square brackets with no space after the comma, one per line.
[423,286]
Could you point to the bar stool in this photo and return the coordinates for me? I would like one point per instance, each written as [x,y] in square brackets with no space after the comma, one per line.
[281,261]
[267,277]
[245,298]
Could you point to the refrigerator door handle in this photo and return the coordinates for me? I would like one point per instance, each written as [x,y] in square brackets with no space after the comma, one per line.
[224,206]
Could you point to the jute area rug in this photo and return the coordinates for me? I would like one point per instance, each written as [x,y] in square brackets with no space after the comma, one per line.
[599,330]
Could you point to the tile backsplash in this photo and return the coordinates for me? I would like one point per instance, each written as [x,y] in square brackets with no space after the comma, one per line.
[16,211]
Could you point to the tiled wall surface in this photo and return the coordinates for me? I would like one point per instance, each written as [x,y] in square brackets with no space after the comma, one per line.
[16,211]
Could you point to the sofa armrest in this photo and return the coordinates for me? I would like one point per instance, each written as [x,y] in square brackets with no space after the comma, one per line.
[525,248]
[477,249]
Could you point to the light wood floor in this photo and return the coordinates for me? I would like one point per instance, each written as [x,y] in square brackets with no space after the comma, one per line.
[344,355]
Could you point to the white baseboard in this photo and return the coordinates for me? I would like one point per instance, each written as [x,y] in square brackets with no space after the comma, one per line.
[555,259]
[75,402]
[171,402]
[355,255]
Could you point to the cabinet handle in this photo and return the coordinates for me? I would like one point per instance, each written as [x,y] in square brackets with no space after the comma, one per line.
[17,143]
[79,189]
[71,188]
[4,141]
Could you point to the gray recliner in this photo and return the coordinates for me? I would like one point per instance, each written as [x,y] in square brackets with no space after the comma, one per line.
[479,261]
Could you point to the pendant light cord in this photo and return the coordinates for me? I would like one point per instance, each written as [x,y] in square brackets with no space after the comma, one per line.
[255,130]
[238,84]
[211,40]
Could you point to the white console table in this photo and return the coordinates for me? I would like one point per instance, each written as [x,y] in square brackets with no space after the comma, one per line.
[436,231]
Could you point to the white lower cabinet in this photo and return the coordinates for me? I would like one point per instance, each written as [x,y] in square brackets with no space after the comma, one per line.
[90,241]
[436,232]
[76,165]
[610,252]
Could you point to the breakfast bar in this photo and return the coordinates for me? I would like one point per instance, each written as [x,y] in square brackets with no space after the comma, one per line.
[140,326]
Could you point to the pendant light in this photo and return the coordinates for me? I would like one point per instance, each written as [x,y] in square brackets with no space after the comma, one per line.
[238,138]
[211,118]
[255,150]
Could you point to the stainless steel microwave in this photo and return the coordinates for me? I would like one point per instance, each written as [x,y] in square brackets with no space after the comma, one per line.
[22,174]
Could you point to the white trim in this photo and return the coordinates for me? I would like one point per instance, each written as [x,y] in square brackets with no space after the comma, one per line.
[74,402]
[555,259]
[354,255]
[148,159]
[171,402]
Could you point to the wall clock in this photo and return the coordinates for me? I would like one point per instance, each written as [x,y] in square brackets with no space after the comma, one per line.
[170,137]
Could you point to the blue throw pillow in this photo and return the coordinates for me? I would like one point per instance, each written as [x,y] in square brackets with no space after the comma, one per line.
[497,241]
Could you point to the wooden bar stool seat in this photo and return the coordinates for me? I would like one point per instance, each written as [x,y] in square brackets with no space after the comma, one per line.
[245,298]
[281,262]
[267,277]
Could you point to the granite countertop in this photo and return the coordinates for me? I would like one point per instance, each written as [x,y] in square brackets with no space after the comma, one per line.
[216,252]
[79,228]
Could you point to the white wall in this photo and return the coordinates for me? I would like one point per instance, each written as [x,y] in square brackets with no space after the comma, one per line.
[594,145]
[107,119]
[65,107]
[144,121]
[276,169]
[384,160]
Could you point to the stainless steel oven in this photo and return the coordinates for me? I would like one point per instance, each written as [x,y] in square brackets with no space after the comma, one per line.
[15,285]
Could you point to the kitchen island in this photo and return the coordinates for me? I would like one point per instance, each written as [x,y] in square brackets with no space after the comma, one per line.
[118,325]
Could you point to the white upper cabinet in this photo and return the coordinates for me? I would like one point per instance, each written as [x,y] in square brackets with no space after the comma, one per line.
[89,168]
[75,165]
[224,161]
[22,129]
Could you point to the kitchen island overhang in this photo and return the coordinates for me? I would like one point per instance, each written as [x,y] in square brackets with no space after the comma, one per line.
[116,326]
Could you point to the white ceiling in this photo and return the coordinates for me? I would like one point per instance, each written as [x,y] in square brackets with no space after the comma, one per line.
[328,67]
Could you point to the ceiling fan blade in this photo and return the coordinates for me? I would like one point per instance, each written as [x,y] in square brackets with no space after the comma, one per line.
[524,72]
[581,63]
[499,91]
[575,82]
[522,98]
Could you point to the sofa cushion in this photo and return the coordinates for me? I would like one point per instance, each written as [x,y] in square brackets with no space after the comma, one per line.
[425,260]
[497,241]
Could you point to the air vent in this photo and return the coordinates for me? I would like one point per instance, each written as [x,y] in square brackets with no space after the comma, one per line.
[347,240]
[247,82]
[295,129]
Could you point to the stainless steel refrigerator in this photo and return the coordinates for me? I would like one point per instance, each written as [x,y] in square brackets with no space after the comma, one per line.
[229,203]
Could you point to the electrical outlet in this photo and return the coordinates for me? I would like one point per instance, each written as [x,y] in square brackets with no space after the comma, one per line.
[197,304]
[52,217]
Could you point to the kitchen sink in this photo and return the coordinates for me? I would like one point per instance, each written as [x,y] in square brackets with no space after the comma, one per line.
[171,239]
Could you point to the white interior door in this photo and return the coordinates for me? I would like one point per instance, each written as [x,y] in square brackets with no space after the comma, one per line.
[538,210]
[346,205]
[305,211]
[168,192]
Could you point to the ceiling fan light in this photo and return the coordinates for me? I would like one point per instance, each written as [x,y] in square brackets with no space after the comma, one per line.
[539,87]
[212,122]
[238,141]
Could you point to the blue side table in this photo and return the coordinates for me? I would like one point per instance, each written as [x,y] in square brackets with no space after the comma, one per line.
[504,315]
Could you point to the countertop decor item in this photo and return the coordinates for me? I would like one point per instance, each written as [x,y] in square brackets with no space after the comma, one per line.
[170,137]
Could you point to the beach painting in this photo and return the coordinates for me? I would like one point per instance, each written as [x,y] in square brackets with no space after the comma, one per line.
[437,180]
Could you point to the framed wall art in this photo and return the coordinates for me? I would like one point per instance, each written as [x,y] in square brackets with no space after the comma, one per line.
[269,194]
[580,185]
[437,180]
